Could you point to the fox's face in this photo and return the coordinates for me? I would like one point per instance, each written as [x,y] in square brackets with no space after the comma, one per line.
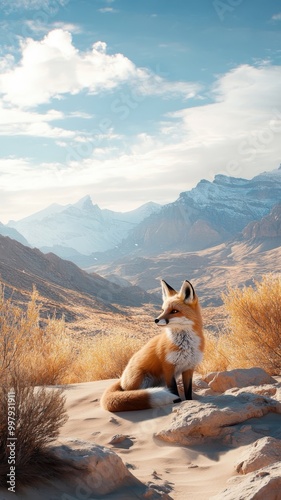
[179,308]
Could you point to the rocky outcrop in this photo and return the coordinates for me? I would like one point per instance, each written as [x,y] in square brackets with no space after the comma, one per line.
[215,417]
[225,403]
[222,381]
[261,453]
[264,484]
[218,416]
[100,471]
[268,227]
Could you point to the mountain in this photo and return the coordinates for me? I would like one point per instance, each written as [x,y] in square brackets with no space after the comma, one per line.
[12,233]
[267,231]
[82,228]
[209,214]
[61,284]
[237,262]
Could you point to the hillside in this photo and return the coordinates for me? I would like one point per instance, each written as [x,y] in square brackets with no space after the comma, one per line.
[64,288]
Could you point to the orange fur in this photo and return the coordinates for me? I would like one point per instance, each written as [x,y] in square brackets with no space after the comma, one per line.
[174,352]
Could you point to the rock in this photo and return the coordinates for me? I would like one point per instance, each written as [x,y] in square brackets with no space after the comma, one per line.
[264,484]
[118,438]
[222,381]
[104,470]
[263,452]
[215,416]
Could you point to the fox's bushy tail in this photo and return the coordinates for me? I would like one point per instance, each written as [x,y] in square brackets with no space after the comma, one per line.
[115,399]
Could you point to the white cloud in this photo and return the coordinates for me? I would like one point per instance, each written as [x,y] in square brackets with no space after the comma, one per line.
[238,134]
[52,67]
[16,121]
[45,5]
[38,26]
[108,10]
[276,17]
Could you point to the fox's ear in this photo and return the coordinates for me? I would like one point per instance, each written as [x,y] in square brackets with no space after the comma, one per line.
[167,290]
[187,292]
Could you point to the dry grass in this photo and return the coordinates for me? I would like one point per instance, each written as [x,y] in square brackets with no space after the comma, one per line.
[38,415]
[253,336]
[28,356]
[49,355]
[104,357]
[43,353]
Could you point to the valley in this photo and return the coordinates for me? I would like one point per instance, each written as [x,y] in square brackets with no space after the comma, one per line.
[225,233]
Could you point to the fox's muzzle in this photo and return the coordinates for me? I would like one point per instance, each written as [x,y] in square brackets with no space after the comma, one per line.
[161,322]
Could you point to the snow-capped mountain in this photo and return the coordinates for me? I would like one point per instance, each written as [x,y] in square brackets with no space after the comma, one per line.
[81,228]
[208,214]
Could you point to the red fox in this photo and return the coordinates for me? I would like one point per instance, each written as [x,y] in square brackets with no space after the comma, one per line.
[176,351]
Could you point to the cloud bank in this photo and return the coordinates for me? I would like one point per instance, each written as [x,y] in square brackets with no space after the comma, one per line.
[52,67]
[234,129]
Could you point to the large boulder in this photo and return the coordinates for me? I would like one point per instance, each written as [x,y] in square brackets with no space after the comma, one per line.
[222,381]
[264,484]
[215,416]
[100,471]
[261,453]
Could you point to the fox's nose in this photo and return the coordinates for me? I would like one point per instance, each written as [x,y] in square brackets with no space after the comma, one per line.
[161,321]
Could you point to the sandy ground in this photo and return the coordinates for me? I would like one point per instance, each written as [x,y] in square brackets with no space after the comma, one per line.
[195,473]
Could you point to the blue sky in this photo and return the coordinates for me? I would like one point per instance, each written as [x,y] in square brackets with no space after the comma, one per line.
[134,100]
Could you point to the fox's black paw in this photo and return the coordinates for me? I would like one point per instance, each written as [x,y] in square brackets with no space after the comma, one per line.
[178,400]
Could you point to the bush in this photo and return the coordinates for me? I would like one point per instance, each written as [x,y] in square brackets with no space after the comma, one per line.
[105,357]
[35,418]
[30,355]
[253,336]
[49,355]
[44,353]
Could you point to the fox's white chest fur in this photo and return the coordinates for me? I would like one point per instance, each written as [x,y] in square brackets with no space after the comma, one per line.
[189,355]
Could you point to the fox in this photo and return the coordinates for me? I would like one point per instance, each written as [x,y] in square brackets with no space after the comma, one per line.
[150,377]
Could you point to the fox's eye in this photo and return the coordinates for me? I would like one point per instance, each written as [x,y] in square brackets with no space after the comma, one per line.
[174,311]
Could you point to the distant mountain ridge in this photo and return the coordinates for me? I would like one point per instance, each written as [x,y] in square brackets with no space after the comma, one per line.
[80,228]
[207,215]
[12,233]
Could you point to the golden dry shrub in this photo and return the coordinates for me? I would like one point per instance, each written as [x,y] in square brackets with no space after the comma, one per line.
[43,353]
[48,354]
[30,420]
[254,324]
[252,335]
[215,357]
[104,357]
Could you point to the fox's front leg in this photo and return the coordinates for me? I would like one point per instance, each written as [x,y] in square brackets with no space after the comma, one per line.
[187,383]
[173,387]
[170,380]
